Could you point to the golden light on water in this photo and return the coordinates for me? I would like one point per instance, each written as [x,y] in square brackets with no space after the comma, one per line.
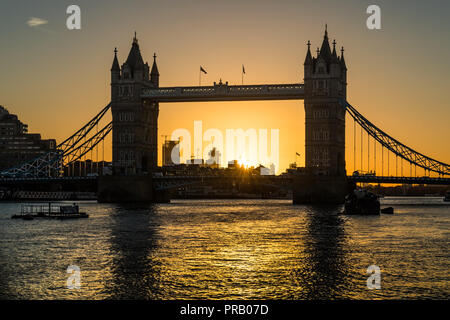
[222,249]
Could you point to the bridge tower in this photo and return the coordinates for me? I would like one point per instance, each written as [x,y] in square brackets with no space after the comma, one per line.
[135,122]
[135,131]
[325,80]
[325,84]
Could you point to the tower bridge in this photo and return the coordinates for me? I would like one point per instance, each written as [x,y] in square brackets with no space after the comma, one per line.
[136,94]
[135,101]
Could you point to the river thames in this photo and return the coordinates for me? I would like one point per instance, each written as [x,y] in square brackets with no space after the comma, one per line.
[228,249]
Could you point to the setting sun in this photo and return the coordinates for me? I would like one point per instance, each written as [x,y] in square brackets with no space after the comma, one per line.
[245,163]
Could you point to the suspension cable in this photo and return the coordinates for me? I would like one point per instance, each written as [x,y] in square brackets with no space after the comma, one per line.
[362,168]
[396,147]
[375,156]
[354,145]
[368,152]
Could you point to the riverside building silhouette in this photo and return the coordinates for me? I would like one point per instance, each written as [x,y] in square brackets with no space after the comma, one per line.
[16,144]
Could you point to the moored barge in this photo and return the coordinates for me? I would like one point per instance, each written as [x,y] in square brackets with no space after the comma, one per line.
[51,211]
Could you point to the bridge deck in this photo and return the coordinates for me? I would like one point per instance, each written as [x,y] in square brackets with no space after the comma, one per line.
[280,178]
[224,92]
[400,180]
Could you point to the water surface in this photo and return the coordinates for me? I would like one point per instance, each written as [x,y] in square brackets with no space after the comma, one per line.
[228,249]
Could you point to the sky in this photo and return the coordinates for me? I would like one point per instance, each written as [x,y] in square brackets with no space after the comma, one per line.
[57,79]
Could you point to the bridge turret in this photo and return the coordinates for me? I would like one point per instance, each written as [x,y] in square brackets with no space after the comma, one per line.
[115,69]
[135,62]
[154,75]
[308,64]
[325,51]
[115,76]
[335,65]
[342,60]
[344,73]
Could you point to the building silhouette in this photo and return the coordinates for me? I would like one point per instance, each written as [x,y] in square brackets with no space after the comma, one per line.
[135,122]
[170,152]
[325,85]
[214,158]
[16,144]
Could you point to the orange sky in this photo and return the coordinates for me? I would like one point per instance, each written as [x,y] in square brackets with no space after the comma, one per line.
[56,79]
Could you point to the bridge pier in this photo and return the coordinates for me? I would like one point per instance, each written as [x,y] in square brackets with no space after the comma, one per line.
[317,189]
[161,196]
[126,189]
[123,189]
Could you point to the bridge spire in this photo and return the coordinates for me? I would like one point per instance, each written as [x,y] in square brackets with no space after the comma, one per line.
[334,56]
[134,60]
[308,59]
[115,65]
[342,59]
[325,51]
[154,74]
[154,67]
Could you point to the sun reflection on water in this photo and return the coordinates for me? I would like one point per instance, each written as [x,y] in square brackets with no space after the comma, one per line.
[220,249]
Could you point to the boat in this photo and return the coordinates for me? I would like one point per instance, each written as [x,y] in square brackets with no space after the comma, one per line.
[61,212]
[388,210]
[362,202]
[447,196]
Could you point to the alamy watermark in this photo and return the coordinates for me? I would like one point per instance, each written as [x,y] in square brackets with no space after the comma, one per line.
[374,280]
[73,22]
[249,147]
[374,20]
[74,280]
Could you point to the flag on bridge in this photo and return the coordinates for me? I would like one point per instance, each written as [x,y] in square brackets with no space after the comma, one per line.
[200,75]
[243,69]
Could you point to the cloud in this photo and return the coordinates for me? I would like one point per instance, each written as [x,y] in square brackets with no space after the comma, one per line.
[36,22]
